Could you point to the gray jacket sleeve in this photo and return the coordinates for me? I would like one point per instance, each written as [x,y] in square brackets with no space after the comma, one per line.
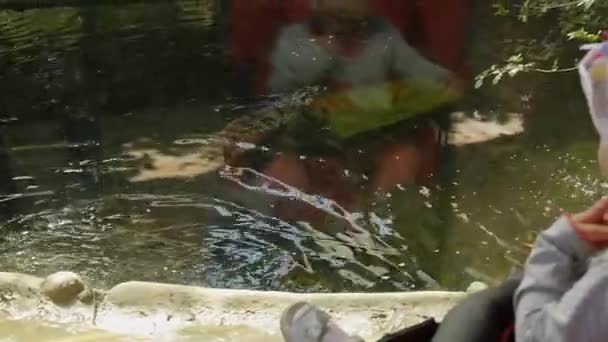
[297,60]
[409,64]
[563,296]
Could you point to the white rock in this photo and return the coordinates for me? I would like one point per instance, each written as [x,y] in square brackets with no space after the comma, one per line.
[477,286]
[62,287]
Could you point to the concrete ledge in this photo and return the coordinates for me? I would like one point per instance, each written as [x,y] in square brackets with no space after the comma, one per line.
[186,313]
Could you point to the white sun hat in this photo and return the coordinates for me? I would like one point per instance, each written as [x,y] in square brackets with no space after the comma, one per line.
[593,71]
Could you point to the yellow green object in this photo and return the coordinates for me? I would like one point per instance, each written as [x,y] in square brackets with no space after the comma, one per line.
[367,108]
[599,69]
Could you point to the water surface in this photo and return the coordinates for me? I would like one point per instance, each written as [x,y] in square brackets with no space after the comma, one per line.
[94,96]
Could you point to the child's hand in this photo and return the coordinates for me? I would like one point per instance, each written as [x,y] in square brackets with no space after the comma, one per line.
[592,224]
[602,158]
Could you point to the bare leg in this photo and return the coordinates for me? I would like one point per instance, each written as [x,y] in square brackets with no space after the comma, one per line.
[290,170]
[398,164]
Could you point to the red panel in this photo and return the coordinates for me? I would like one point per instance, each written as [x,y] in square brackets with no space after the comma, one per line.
[400,13]
[297,10]
[445,23]
[254,27]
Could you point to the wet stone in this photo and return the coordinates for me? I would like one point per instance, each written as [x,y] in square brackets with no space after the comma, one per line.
[6,296]
[87,297]
[63,288]
[477,286]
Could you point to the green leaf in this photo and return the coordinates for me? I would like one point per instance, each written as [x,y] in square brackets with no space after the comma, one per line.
[500,10]
[582,35]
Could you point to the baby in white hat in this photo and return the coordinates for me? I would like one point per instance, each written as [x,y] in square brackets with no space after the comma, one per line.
[594,78]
